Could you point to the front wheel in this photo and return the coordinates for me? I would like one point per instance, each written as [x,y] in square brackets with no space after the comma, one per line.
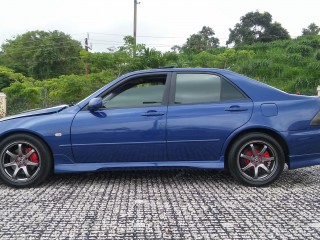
[24,160]
[256,159]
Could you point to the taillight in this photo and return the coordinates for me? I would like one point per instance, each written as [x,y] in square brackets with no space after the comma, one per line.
[316,120]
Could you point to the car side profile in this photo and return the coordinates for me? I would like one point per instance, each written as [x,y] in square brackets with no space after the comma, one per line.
[198,118]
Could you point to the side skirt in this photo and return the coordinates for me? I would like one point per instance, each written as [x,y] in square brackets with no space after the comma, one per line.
[91,167]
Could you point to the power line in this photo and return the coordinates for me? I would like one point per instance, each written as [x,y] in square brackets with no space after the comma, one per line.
[66,44]
[124,35]
[34,49]
[56,46]
[33,40]
[46,45]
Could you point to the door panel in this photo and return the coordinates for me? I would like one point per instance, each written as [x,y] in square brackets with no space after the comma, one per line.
[204,110]
[198,132]
[120,135]
[129,128]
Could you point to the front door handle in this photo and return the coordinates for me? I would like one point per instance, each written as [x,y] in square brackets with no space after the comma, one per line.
[236,108]
[152,113]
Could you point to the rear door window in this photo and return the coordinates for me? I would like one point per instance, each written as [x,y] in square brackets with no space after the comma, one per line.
[204,88]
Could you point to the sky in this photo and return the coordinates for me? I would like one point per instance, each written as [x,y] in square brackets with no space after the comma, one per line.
[160,23]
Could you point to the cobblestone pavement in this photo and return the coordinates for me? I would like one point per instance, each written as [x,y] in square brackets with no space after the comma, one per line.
[189,204]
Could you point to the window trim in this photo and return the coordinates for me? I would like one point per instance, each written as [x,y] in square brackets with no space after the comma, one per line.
[173,89]
[165,98]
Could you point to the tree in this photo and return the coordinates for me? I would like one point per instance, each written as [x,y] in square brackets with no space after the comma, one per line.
[176,48]
[25,93]
[256,27]
[152,58]
[129,47]
[201,41]
[42,55]
[311,30]
[8,76]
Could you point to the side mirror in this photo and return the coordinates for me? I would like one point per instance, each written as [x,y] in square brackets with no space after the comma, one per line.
[95,104]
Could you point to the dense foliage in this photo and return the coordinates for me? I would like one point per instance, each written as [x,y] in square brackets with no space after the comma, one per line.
[201,41]
[257,27]
[42,55]
[311,30]
[292,65]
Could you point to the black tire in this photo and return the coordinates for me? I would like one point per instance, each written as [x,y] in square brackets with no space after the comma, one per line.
[25,161]
[256,159]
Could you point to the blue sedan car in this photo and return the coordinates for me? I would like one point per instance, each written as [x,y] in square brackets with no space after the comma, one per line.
[199,118]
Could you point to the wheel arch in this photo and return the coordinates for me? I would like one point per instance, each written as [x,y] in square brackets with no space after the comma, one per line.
[266,131]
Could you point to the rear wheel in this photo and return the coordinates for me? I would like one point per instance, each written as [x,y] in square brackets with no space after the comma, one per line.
[256,159]
[24,160]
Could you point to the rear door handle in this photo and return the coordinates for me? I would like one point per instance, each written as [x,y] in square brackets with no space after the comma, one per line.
[236,108]
[152,113]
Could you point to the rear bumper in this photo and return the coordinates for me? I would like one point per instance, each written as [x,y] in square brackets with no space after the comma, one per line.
[304,148]
[304,161]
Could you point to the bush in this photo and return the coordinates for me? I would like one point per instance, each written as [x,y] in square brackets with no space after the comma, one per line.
[304,50]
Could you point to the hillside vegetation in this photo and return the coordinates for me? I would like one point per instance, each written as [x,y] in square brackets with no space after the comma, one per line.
[41,69]
[290,65]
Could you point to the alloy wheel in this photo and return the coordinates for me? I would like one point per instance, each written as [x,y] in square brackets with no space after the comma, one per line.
[20,161]
[257,161]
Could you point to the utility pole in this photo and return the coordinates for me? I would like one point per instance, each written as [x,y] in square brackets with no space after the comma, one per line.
[135,3]
[86,47]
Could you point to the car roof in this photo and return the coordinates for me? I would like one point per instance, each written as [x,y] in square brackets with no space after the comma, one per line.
[170,69]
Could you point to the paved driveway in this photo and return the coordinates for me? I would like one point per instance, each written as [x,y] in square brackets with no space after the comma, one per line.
[192,204]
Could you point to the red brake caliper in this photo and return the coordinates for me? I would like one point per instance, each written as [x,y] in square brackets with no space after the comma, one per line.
[266,155]
[249,153]
[246,161]
[33,157]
